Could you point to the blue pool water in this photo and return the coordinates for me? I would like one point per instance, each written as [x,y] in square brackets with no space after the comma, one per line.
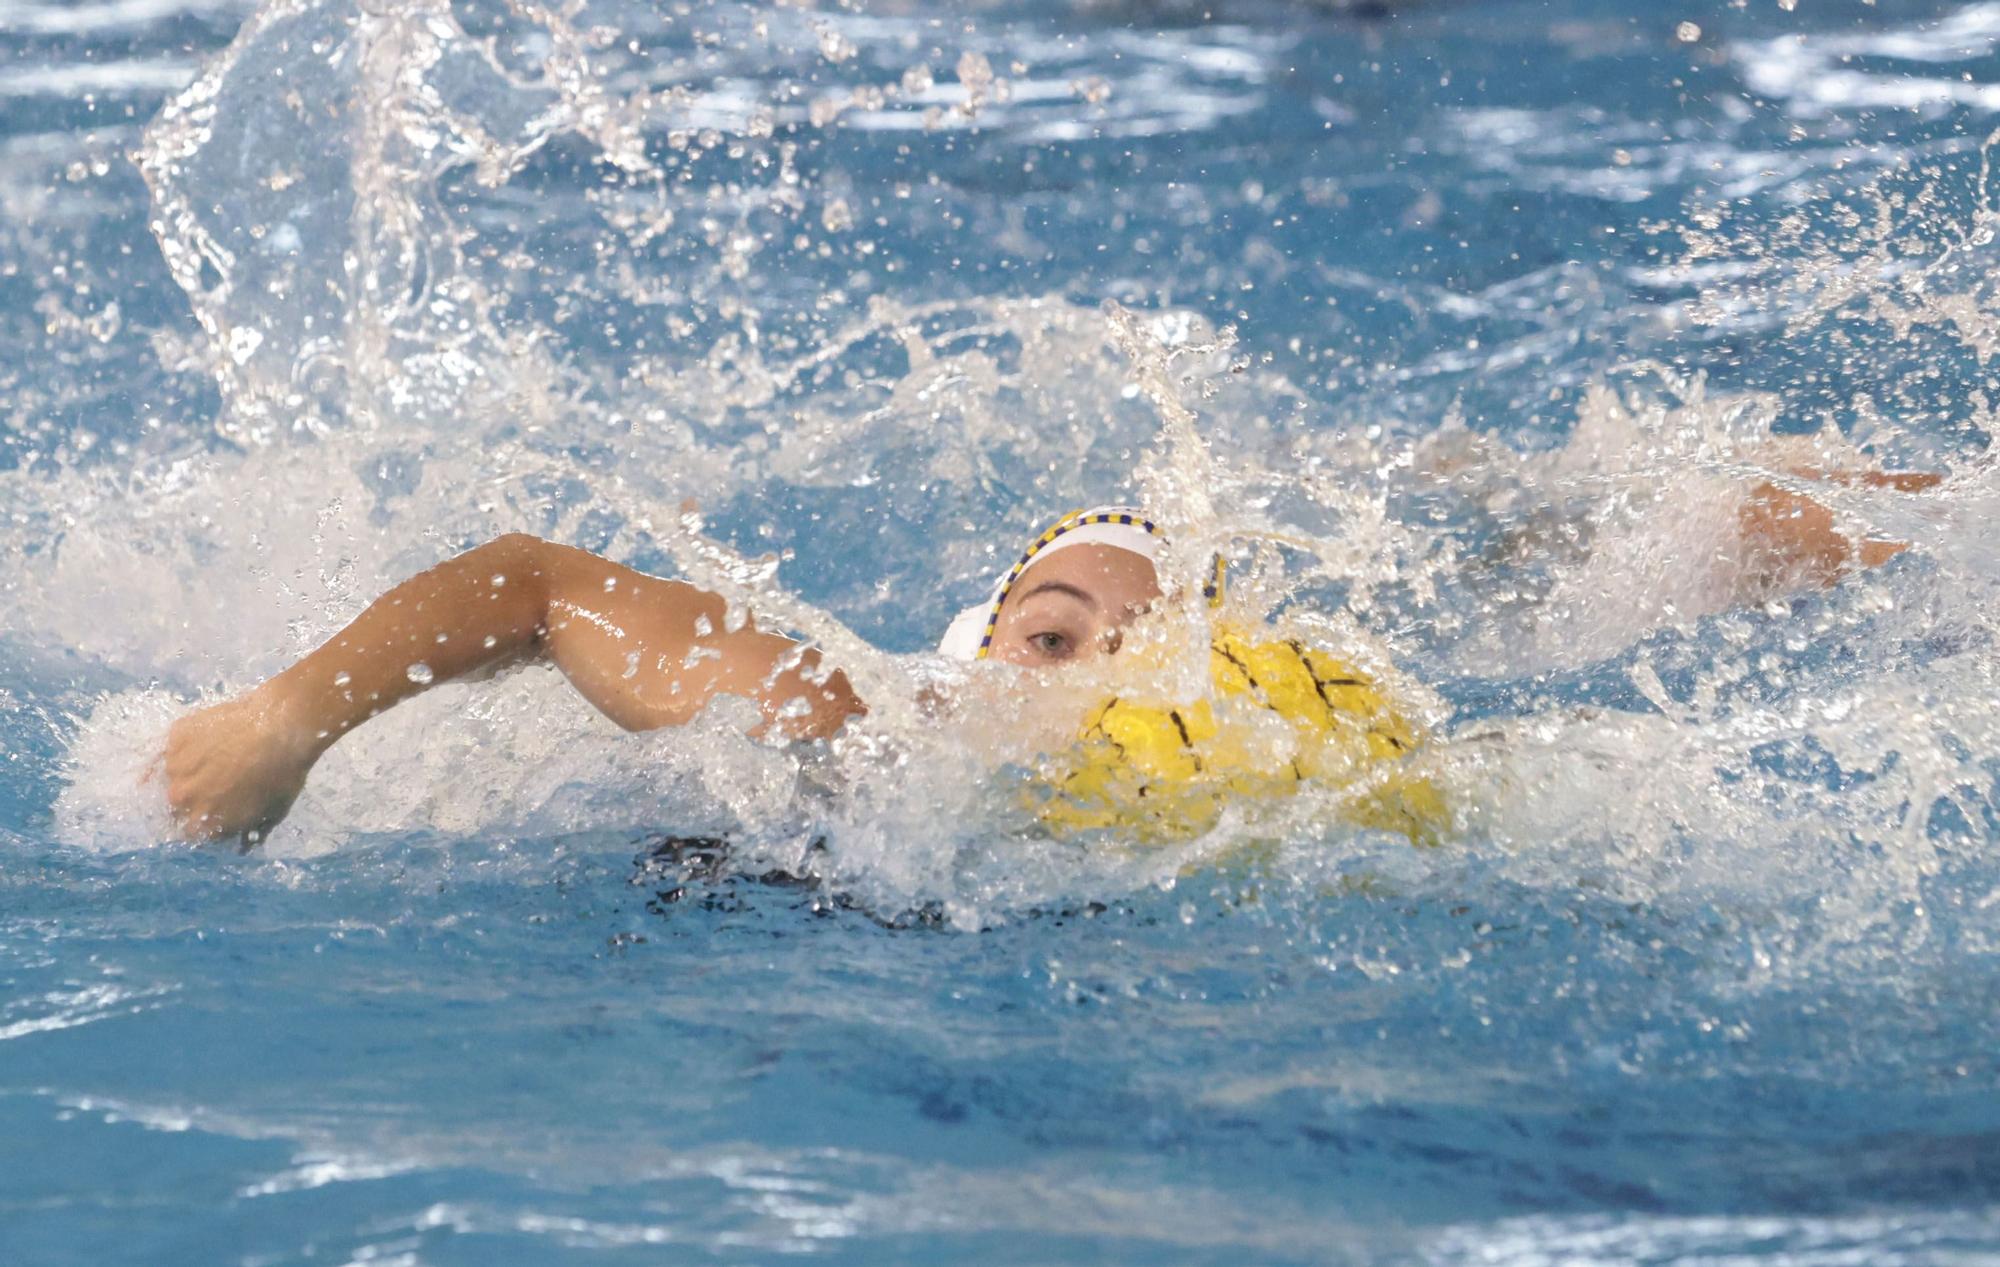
[298,301]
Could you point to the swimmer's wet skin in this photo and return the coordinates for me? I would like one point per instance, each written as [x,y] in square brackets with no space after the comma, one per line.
[649,653]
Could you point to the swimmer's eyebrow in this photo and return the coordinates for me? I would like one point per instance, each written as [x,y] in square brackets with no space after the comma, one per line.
[1061,587]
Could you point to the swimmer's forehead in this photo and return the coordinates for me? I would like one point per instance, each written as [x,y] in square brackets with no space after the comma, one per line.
[1089,573]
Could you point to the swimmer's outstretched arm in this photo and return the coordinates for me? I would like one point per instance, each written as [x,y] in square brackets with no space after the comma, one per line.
[646,652]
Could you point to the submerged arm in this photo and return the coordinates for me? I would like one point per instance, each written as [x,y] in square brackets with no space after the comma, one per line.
[646,652]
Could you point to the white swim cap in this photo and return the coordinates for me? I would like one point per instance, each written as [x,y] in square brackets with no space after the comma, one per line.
[970,634]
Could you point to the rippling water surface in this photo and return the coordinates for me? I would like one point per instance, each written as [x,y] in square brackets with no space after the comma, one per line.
[1461,327]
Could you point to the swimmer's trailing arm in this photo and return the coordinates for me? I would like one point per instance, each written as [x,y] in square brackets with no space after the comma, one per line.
[646,652]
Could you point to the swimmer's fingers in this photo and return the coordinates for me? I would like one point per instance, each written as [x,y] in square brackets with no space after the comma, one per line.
[200,819]
[180,764]
[1792,535]
[1903,481]
[236,805]
[1869,552]
[168,771]
[192,814]
[1897,481]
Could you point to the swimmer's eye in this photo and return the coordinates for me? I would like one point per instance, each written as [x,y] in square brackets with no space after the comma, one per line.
[1053,645]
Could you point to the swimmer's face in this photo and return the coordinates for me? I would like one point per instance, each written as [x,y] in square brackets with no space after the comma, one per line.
[1072,605]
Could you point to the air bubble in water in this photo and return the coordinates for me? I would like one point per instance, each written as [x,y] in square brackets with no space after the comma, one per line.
[834,46]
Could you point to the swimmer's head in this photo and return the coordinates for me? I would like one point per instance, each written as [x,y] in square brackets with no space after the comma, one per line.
[1071,592]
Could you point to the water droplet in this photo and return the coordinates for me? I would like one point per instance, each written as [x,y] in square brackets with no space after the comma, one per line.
[1687,32]
[499,579]
[341,678]
[420,673]
[1093,90]
[834,46]
[490,642]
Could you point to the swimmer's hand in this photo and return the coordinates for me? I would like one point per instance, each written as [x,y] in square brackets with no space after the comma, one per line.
[1790,537]
[232,771]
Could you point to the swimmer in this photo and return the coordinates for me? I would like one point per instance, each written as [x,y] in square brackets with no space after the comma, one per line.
[232,770]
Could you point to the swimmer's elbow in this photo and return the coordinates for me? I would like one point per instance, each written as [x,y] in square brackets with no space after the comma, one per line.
[518,555]
[536,566]
[521,544]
